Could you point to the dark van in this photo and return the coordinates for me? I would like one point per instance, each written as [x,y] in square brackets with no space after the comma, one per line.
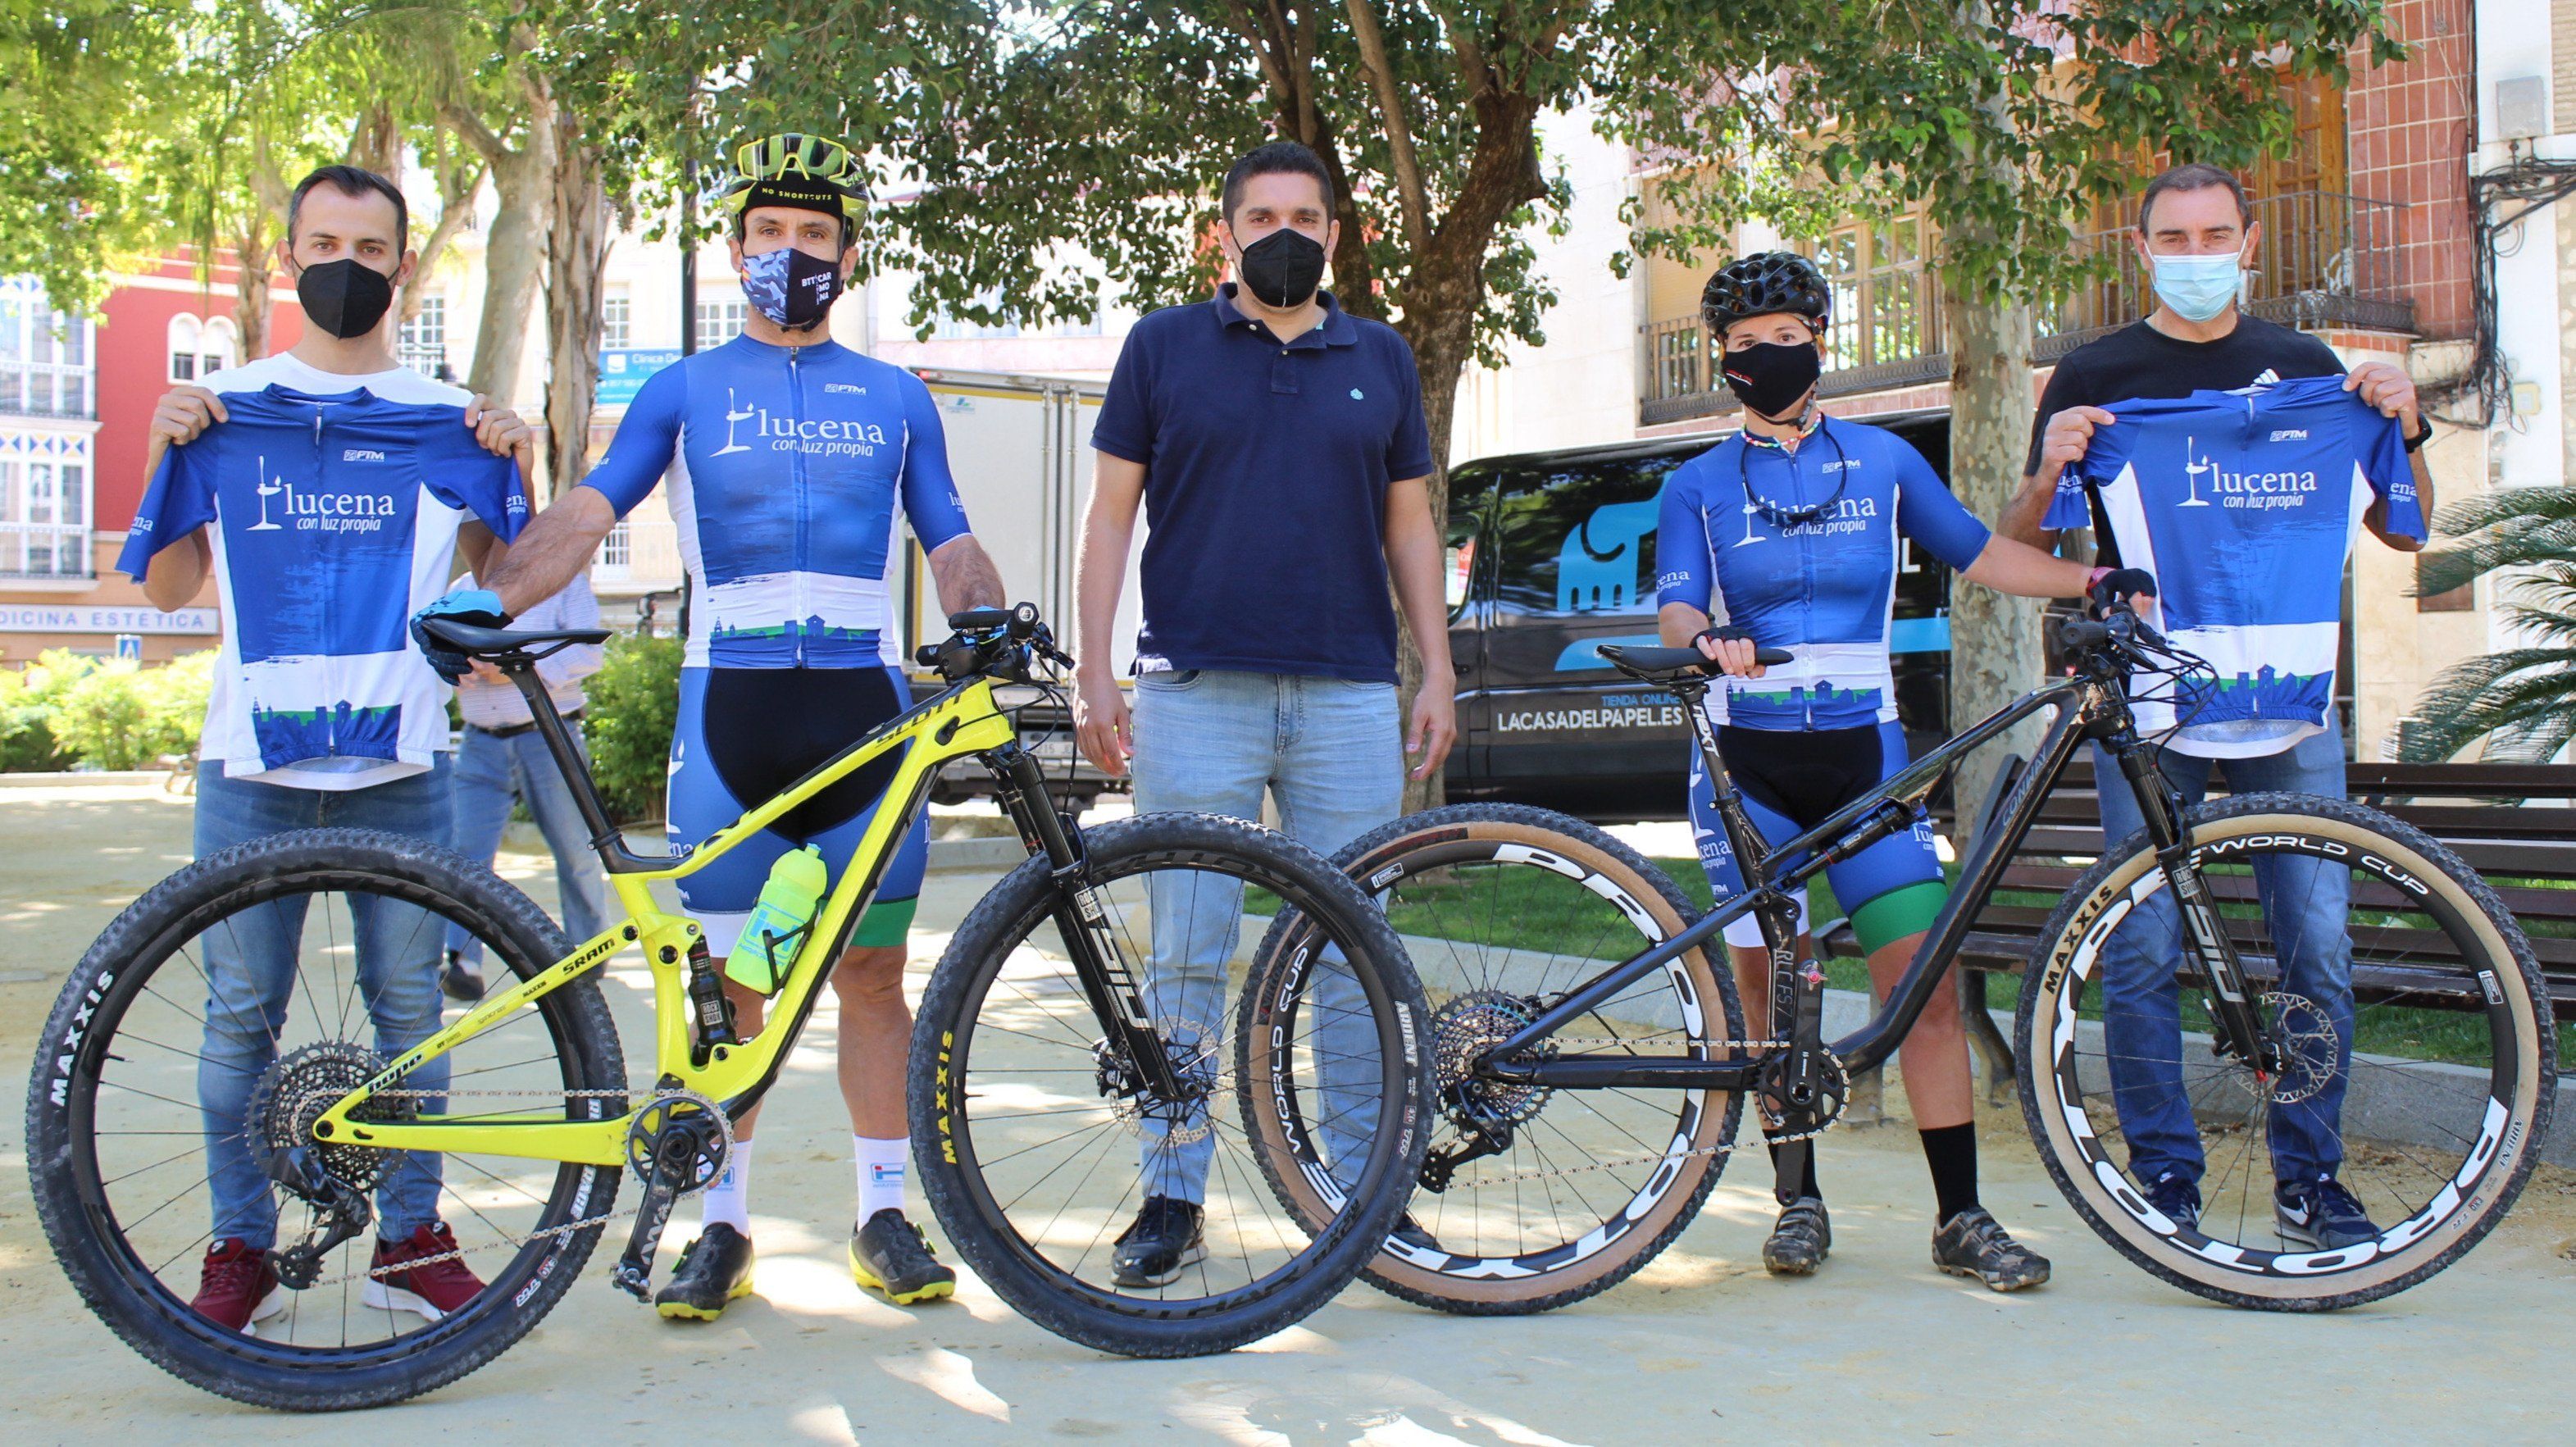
[1552,554]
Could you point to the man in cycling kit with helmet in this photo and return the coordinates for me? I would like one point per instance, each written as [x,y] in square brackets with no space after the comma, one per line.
[1793,525]
[789,458]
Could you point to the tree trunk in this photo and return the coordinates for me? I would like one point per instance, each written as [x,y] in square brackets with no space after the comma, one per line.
[576,254]
[1995,653]
[513,267]
[251,245]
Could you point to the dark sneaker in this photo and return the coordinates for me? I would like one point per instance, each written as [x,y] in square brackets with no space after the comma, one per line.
[237,1286]
[1410,1232]
[889,1254]
[714,1272]
[2177,1197]
[1163,1241]
[460,981]
[421,1273]
[1974,1243]
[1801,1239]
[2320,1215]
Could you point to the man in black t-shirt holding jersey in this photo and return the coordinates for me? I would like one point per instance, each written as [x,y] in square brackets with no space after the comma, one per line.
[2194,232]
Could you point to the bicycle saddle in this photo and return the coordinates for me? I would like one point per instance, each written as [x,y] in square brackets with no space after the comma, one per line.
[487,643]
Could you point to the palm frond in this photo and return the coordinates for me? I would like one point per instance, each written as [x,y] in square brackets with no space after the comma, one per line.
[2513,543]
[2512,504]
[2525,692]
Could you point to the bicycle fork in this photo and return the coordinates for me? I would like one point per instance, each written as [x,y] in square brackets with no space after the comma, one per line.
[1082,921]
[2237,1028]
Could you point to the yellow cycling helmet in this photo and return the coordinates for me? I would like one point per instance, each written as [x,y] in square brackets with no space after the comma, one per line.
[794,169]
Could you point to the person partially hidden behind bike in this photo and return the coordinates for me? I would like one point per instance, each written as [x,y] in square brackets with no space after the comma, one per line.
[788,455]
[1792,525]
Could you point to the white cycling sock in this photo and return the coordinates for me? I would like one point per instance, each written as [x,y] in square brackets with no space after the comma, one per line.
[881,1170]
[729,1199]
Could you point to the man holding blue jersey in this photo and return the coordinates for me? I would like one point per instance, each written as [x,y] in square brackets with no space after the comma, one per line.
[326,491]
[2237,461]
[789,459]
[1277,446]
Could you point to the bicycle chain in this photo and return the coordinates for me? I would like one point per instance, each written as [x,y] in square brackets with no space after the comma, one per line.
[1723,1148]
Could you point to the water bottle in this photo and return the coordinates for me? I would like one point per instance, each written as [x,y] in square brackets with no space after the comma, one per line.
[776,929]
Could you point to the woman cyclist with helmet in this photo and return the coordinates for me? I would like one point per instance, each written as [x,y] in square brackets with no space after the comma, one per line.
[1794,526]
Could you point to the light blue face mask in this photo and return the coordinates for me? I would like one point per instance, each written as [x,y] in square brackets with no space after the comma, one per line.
[2198,287]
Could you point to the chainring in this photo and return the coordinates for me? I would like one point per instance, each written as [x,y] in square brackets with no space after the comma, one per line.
[1832,1085]
[298,1087]
[1462,1030]
[670,1110]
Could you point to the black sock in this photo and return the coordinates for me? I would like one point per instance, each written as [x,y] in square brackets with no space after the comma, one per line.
[1951,1151]
[1807,1185]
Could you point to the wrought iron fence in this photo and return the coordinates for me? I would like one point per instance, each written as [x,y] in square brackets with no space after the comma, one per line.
[46,389]
[2322,259]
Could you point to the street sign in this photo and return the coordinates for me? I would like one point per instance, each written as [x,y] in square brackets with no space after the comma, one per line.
[622,372]
[130,645]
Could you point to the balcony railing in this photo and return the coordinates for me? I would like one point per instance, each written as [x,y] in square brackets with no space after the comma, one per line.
[44,550]
[46,389]
[2324,259]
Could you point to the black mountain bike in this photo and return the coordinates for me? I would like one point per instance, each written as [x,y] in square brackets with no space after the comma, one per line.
[1593,1059]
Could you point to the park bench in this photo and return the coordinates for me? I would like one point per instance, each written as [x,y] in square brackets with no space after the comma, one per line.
[2513,823]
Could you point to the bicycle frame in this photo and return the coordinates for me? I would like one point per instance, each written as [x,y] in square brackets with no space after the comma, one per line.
[962,720]
[2087,707]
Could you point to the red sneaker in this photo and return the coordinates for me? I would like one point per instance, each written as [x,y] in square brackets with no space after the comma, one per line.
[237,1286]
[434,1288]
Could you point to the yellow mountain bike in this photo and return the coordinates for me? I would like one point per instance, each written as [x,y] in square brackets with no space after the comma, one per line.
[1067,1049]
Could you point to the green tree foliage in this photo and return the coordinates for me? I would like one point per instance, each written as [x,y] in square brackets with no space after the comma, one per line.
[70,708]
[2521,700]
[634,706]
[88,90]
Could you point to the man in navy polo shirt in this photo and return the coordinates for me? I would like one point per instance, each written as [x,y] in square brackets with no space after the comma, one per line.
[1278,447]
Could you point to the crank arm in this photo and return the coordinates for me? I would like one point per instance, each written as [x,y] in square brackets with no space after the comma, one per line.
[633,1273]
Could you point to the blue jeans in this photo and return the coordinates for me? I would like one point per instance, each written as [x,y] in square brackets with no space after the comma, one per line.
[1211,742]
[490,772]
[251,963]
[2306,911]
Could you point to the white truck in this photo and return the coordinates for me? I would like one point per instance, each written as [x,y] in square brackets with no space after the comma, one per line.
[1020,447]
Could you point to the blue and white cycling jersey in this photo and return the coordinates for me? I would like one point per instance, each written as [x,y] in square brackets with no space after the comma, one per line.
[786,467]
[335,518]
[2244,505]
[1826,590]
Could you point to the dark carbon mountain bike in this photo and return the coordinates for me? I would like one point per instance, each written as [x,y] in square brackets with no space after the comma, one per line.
[1593,1060]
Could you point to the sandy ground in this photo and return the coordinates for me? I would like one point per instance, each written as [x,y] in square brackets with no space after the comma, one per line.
[1878,1346]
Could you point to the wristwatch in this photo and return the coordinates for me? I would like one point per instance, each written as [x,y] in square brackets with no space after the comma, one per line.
[2416,442]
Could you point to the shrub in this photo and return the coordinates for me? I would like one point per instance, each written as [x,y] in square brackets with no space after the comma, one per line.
[120,715]
[634,706]
[27,743]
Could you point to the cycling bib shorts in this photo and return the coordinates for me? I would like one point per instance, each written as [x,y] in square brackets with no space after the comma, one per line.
[1794,779]
[744,735]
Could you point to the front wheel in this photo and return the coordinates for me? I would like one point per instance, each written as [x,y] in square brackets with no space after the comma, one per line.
[1103,1210]
[2403,1010]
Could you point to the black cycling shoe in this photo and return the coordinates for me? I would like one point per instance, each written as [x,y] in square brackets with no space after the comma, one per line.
[714,1273]
[1410,1232]
[1801,1239]
[1974,1243]
[1162,1242]
[889,1254]
[2177,1198]
[459,981]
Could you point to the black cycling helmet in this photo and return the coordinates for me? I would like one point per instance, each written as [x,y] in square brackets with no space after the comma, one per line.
[1763,283]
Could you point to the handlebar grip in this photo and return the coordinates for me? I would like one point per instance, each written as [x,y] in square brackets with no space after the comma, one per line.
[2080,633]
[1772,657]
[978,620]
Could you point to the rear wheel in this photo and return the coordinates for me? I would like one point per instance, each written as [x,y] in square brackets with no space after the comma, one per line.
[2432,1127]
[1503,910]
[159,1068]
[1040,1144]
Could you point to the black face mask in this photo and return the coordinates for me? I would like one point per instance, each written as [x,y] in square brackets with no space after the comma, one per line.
[792,289]
[1770,377]
[1284,267]
[345,298]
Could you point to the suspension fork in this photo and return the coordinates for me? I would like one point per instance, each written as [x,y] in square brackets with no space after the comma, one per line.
[1082,919]
[2238,1028]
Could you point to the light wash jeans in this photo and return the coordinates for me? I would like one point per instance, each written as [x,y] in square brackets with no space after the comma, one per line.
[491,772]
[1211,742]
[252,965]
[2305,910]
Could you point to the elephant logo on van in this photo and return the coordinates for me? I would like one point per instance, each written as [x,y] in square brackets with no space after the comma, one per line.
[1598,568]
